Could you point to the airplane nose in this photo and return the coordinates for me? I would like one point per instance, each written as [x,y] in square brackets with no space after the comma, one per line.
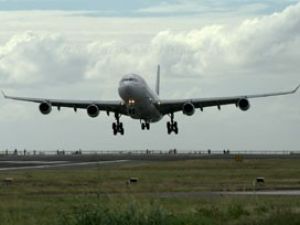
[126,90]
[129,88]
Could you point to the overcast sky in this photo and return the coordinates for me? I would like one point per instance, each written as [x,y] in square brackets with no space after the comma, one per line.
[72,49]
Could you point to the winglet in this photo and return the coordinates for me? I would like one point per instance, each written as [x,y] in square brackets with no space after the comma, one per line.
[4,95]
[296,89]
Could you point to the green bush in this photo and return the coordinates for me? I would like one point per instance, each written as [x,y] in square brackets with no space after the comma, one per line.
[133,214]
[282,217]
[236,210]
[153,214]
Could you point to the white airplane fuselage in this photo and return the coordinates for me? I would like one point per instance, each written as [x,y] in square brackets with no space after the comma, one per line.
[139,98]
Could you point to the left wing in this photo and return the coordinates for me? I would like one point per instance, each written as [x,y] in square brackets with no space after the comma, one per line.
[108,106]
[172,106]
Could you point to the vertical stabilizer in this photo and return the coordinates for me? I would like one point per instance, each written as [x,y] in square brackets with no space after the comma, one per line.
[157,80]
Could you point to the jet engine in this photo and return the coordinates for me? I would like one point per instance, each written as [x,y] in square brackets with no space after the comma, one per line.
[93,111]
[243,104]
[45,108]
[188,109]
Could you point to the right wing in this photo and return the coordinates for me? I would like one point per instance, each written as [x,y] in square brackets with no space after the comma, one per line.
[108,106]
[172,106]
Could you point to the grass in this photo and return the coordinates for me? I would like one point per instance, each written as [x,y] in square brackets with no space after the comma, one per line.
[100,195]
[231,212]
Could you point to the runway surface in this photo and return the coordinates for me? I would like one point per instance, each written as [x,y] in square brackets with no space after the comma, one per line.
[225,193]
[139,157]
[30,165]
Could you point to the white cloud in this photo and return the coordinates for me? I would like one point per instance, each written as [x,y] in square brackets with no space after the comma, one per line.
[262,45]
[204,7]
[265,44]
[32,58]
[180,6]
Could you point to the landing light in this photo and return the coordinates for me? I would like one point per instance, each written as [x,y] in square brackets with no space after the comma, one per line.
[131,101]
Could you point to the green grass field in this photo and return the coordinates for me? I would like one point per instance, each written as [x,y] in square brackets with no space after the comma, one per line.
[100,195]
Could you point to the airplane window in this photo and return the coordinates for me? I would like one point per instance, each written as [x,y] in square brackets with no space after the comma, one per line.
[130,79]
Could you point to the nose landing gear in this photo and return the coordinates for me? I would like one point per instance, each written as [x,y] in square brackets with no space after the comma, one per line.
[145,125]
[172,126]
[118,126]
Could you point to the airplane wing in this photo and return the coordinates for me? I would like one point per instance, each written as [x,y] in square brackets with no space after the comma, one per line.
[108,106]
[172,106]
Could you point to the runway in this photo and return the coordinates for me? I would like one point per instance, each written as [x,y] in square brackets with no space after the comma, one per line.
[44,161]
[264,193]
[141,156]
[225,193]
[31,165]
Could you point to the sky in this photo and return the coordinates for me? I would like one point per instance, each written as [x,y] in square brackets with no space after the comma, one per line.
[73,50]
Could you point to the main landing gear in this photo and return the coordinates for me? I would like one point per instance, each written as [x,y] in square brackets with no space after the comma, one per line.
[172,125]
[118,126]
[145,125]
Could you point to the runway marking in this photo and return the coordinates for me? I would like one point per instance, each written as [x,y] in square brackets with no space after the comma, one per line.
[276,193]
[230,193]
[63,164]
[34,162]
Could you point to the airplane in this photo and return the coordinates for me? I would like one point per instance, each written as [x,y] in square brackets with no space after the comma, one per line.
[140,102]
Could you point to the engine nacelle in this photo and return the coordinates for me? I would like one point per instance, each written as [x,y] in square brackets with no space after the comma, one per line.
[93,111]
[188,109]
[45,108]
[243,104]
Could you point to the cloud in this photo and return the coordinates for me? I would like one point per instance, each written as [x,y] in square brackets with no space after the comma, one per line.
[269,43]
[42,58]
[186,7]
[263,45]
[175,7]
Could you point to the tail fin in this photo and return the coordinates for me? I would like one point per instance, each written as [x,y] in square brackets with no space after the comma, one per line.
[157,80]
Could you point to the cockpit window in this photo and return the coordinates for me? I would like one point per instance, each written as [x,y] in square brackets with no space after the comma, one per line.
[130,79]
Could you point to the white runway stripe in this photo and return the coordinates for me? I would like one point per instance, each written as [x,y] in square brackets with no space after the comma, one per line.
[61,164]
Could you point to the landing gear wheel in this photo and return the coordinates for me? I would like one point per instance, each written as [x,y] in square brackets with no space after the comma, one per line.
[145,125]
[118,127]
[148,126]
[172,126]
[176,130]
[115,132]
[169,128]
[168,125]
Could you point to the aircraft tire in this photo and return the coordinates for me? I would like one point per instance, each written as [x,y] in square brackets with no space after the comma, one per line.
[175,126]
